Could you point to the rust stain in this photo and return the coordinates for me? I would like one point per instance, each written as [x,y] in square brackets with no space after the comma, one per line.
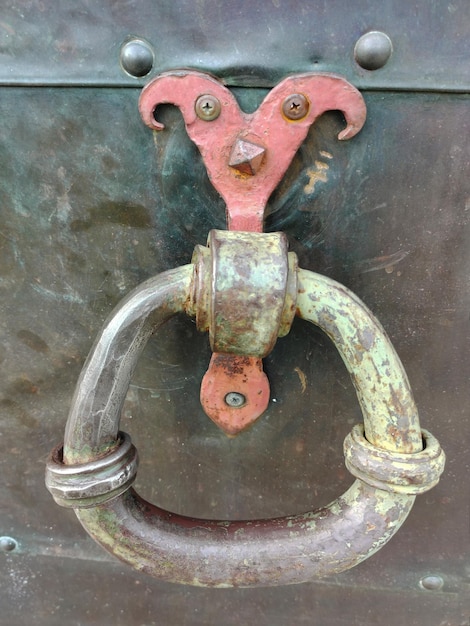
[396,434]
[230,365]
[316,174]
[33,341]
[385,262]
[7,28]
[231,373]
[302,378]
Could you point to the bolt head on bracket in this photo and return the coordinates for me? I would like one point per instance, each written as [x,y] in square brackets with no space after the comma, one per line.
[246,157]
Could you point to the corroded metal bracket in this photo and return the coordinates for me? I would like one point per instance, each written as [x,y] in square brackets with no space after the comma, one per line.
[245,298]
[246,155]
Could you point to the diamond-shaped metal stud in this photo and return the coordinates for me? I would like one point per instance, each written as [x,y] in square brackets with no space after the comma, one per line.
[246,157]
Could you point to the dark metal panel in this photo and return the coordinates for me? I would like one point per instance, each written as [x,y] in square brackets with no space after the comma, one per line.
[87,593]
[90,207]
[246,43]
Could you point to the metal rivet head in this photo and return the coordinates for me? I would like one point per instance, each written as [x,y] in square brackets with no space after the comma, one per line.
[431,583]
[247,157]
[373,50]
[8,544]
[295,107]
[207,107]
[137,58]
[235,399]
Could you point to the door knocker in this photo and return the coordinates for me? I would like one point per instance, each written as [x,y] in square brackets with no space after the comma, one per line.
[245,289]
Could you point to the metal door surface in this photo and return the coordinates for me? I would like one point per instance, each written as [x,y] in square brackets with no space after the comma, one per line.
[93,203]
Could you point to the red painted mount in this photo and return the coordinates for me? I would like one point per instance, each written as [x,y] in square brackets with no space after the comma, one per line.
[246,156]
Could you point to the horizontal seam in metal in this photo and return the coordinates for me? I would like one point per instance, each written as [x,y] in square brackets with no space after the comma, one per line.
[117,85]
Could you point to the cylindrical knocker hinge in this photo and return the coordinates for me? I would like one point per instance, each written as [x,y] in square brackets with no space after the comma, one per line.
[245,291]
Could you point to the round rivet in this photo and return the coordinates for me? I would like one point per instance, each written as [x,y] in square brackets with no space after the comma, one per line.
[137,58]
[8,544]
[295,107]
[207,107]
[373,50]
[235,399]
[432,583]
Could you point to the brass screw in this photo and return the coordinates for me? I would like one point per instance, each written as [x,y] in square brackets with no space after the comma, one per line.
[295,107]
[207,108]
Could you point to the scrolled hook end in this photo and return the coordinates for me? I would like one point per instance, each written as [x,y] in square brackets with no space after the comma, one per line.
[349,132]
[181,88]
[324,92]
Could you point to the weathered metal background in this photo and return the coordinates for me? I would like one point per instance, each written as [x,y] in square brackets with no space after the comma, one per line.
[91,205]
[245,42]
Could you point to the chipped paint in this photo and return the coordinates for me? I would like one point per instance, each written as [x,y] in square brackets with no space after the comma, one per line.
[317,174]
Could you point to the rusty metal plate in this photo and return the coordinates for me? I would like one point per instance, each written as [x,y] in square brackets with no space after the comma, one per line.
[246,43]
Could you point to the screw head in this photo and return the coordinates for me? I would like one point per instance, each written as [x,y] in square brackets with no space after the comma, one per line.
[8,544]
[373,50]
[208,107]
[137,58]
[235,400]
[432,583]
[295,107]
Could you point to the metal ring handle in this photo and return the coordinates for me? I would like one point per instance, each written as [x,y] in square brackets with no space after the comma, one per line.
[279,551]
